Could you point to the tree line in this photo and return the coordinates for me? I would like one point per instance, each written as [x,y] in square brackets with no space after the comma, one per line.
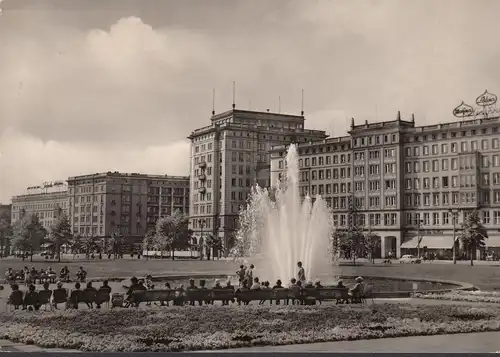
[354,241]
[27,235]
[172,233]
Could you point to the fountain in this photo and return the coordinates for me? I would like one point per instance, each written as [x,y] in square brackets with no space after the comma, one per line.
[278,229]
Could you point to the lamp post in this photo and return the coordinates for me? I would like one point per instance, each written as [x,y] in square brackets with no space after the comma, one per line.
[202,224]
[419,223]
[454,213]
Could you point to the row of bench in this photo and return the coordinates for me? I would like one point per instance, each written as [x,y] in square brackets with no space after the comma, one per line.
[340,295]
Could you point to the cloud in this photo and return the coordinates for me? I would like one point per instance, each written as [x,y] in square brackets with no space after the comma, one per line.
[87,87]
[98,85]
[26,160]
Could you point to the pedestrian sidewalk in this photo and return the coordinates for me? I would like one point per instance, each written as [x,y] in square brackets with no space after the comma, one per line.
[9,346]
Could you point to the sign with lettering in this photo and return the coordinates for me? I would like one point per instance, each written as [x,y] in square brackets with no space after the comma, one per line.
[486,99]
[485,103]
[463,111]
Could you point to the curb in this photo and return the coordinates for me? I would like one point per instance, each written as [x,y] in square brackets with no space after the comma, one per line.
[400,294]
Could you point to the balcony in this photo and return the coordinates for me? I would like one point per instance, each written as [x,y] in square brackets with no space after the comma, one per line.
[202,177]
[202,165]
[202,190]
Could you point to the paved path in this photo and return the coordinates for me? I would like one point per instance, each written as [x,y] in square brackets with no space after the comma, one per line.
[9,346]
[483,342]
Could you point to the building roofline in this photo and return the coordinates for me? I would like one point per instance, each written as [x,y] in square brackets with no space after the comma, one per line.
[43,194]
[126,175]
[253,112]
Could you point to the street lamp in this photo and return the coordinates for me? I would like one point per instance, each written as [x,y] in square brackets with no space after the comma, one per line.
[202,224]
[419,223]
[454,213]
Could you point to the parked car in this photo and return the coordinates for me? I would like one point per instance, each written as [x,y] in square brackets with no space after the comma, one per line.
[411,259]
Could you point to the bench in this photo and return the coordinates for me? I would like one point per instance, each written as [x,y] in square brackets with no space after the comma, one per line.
[15,300]
[340,295]
[149,296]
[44,298]
[254,295]
[224,295]
[200,295]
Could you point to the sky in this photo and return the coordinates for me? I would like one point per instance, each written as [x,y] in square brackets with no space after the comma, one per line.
[92,86]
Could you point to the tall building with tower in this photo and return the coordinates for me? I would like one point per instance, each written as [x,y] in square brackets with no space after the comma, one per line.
[228,157]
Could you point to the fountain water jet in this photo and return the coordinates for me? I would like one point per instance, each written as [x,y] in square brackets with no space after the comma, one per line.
[279,229]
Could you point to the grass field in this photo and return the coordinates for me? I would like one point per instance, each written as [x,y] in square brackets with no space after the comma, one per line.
[484,277]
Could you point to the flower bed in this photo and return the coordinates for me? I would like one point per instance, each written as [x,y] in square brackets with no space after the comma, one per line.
[215,327]
[468,296]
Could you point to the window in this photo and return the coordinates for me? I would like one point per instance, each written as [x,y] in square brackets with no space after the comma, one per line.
[485,217]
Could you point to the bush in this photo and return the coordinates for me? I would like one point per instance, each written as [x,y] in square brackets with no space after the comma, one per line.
[466,296]
[214,327]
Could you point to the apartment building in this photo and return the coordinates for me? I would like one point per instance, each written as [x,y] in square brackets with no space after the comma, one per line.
[128,204]
[47,205]
[407,181]
[231,155]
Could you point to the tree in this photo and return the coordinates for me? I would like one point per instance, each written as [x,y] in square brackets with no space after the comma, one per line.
[172,232]
[89,245]
[5,234]
[60,233]
[28,234]
[372,242]
[148,242]
[473,234]
[214,244]
[351,240]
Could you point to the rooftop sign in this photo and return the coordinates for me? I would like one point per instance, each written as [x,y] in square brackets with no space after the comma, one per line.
[485,107]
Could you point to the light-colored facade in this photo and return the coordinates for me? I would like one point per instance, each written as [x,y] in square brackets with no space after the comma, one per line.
[407,181]
[45,205]
[104,204]
[231,155]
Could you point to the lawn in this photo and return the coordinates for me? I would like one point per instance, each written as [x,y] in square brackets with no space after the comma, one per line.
[484,277]
[214,327]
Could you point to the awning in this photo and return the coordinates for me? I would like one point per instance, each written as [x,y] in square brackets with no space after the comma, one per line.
[492,241]
[431,242]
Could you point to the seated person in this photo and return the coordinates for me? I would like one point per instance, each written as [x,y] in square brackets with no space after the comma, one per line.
[203,287]
[31,300]
[81,274]
[89,295]
[9,276]
[135,286]
[265,287]
[217,284]
[242,289]
[149,282]
[256,284]
[64,274]
[317,284]
[295,291]
[59,295]
[103,292]
[357,291]
[16,297]
[228,286]
[340,284]
[75,297]
[309,285]
[51,275]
